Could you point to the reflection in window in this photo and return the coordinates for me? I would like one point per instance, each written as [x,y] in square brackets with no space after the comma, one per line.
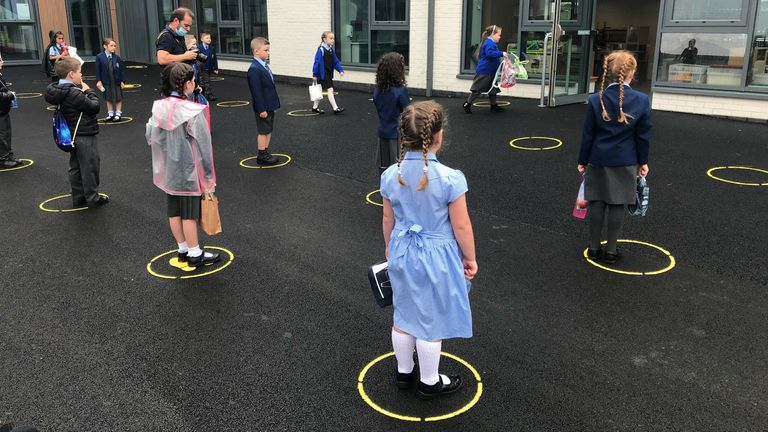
[207,22]
[228,35]
[85,27]
[17,42]
[758,69]
[541,10]
[384,41]
[710,59]
[707,10]
[254,21]
[532,49]
[17,10]
[390,10]
[482,13]
[363,42]
[230,10]
[231,40]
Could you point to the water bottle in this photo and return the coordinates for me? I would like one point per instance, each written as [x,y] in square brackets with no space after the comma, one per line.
[14,102]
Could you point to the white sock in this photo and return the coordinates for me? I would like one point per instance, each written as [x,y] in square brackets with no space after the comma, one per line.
[110,113]
[315,104]
[403,345]
[183,247]
[119,113]
[429,360]
[332,99]
[195,251]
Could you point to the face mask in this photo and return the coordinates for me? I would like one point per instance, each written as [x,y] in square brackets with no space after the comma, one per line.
[181,31]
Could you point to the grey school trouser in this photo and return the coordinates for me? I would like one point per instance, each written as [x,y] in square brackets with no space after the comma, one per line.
[84,170]
[6,152]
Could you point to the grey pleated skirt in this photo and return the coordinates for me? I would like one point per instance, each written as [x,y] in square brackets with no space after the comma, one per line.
[613,185]
[186,207]
[481,84]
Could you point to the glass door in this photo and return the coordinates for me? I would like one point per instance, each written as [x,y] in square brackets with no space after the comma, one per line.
[571,57]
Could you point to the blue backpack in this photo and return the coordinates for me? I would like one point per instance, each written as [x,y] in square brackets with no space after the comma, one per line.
[62,136]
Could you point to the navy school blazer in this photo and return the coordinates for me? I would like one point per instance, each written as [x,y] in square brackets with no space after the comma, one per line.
[102,68]
[212,63]
[610,143]
[263,90]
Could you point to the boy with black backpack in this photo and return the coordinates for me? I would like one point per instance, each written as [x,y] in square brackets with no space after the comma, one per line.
[79,108]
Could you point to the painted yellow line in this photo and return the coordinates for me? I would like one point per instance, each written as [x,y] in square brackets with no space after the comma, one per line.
[711,170]
[43,208]
[670,266]
[216,78]
[136,67]
[335,93]
[232,104]
[512,143]
[123,120]
[27,95]
[487,104]
[217,269]
[370,201]
[51,108]
[377,408]
[31,162]
[302,113]
[89,77]
[288,160]
[132,86]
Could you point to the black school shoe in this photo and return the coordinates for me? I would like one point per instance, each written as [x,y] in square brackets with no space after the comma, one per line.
[405,380]
[496,108]
[181,256]
[265,158]
[594,254]
[467,108]
[204,258]
[338,110]
[103,200]
[318,111]
[9,163]
[424,391]
[610,258]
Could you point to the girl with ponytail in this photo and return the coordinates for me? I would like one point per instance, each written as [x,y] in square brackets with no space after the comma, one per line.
[614,151]
[489,59]
[430,250]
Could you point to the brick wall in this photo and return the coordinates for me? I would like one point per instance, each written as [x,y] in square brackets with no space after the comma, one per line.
[711,105]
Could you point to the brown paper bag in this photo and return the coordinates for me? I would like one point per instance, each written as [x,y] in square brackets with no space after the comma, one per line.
[209,214]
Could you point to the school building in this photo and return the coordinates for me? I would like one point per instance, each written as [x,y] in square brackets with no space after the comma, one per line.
[695,56]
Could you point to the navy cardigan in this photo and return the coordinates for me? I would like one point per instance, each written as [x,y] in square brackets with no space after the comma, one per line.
[318,68]
[610,143]
[102,68]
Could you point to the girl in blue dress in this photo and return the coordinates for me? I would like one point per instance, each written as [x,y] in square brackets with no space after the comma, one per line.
[430,249]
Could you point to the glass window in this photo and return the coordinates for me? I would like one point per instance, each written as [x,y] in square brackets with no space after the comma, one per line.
[542,10]
[165,8]
[390,10]
[231,27]
[232,40]
[758,69]
[482,13]
[85,27]
[230,10]
[254,21]
[18,42]
[360,41]
[15,10]
[532,49]
[707,10]
[207,22]
[702,59]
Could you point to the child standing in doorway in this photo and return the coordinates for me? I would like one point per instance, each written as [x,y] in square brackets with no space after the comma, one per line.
[209,66]
[430,250]
[390,97]
[322,70]
[614,150]
[109,79]
[489,60]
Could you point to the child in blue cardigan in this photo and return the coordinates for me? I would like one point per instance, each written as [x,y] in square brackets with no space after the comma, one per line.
[109,79]
[322,70]
[490,58]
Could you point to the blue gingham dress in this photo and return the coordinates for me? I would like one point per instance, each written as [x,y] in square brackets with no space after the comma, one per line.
[430,295]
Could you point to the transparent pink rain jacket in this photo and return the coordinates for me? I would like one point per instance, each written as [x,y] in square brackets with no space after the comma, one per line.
[182,156]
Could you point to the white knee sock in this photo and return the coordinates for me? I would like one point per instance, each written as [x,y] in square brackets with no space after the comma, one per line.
[183,248]
[403,345]
[429,360]
[332,99]
[315,104]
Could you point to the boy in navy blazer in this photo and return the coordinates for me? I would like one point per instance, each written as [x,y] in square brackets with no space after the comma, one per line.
[264,96]
[210,65]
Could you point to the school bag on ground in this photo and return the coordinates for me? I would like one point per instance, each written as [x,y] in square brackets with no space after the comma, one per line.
[62,136]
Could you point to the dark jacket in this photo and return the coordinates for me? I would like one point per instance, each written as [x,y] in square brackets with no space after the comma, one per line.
[102,69]
[5,97]
[390,105]
[212,63]
[47,62]
[610,143]
[318,68]
[490,58]
[263,90]
[74,101]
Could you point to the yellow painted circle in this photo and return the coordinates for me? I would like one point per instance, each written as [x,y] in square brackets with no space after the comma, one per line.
[410,99]
[22,166]
[711,170]
[452,414]
[232,104]
[487,104]
[123,120]
[27,95]
[245,165]
[51,108]
[669,267]
[370,201]
[335,93]
[302,113]
[217,78]
[513,145]
[136,67]
[45,209]
[132,86]
[217,269]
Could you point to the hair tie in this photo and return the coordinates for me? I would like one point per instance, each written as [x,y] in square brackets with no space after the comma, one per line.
[494,29]
[425,169]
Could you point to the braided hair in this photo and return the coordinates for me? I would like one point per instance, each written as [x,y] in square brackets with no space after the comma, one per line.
[174,76]
[419,123]
[616,66]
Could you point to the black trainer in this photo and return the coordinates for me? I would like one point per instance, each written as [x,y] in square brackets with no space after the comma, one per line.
[9,163]
[204,258]
[610,258]
[467,108]
[265,158]
[594,254]
[103,200]
[496,108]
[425,391]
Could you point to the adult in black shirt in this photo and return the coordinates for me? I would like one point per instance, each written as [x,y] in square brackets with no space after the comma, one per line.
[170,42]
